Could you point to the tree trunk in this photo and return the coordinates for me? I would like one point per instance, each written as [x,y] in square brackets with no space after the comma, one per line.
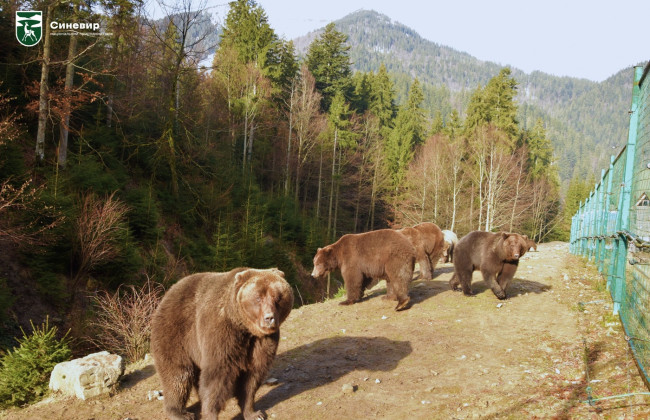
[320,183]
[329,211]
[287,178]
[65,124]
[42,101]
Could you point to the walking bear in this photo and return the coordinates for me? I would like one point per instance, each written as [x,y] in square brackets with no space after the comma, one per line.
[364,257]
[434,244]
[450,242]
[496,255]
[421,257]
[218,332]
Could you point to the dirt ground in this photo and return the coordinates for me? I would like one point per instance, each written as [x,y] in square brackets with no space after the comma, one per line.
[447,357]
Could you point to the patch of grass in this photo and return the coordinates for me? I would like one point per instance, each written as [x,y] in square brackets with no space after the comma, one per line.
[339,293]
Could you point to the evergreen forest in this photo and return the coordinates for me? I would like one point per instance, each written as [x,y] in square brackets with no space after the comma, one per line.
[124,162]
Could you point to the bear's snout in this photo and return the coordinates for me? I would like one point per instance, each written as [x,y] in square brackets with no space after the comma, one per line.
[516,255]
[269,319]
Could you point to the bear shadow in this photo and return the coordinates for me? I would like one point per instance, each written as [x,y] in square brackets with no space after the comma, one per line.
[324,361]
[517,287]
[131,379]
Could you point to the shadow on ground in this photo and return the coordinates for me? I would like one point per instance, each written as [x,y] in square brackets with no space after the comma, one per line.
[131,379]
[312,365]
[517,287]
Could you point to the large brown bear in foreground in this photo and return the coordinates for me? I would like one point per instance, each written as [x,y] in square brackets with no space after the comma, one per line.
[496,255]
[434,245]
[218,332]
[364,257]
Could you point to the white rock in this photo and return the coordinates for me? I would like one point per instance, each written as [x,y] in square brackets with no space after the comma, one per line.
[89,376]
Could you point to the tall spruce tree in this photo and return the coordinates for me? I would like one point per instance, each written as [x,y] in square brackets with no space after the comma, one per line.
[382,100]
[247,30]
[329,61]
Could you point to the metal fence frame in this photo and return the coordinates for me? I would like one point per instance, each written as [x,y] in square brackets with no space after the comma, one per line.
[612,227]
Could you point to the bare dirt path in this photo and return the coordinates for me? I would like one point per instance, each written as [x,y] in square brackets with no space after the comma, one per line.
[447,357]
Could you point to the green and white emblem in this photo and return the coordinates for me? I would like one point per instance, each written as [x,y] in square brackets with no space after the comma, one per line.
[29,27]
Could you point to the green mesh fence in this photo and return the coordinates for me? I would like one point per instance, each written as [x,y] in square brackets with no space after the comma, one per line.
[612,226]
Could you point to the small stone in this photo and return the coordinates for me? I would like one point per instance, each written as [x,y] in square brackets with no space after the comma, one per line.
[348,389]
[377,381]
[272,381]
[319,403]
[384,317]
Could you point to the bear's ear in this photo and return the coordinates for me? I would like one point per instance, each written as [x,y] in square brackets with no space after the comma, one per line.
[505,235]
[525,236]
[243,276]
[277,271]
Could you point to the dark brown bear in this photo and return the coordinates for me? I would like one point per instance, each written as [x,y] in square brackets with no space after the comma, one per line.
[421,257]
[218,332]
[496,255]
[364,257]
[434,245]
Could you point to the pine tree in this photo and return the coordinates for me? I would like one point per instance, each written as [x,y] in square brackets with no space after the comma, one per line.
[328,60]
[540,151]
[382,100]
[247,30]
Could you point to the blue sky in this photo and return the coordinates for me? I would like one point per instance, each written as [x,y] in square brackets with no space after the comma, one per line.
[589,39]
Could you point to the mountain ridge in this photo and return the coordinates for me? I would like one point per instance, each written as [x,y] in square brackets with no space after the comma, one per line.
[585,119]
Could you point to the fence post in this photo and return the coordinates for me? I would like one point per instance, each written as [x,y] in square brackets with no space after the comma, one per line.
[581,233]
[603,221]
[598,221]
[623,220]
[593,205]
[605,228]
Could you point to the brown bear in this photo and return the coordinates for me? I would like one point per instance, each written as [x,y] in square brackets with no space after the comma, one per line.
[364,257]
[434,244]
[531,243]
[421,257]
[450,242]
[218,333]
[496,255]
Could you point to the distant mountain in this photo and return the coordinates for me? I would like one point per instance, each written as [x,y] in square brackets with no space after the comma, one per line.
[587,121]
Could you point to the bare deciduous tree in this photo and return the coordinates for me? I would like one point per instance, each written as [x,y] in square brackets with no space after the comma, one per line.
[98,228]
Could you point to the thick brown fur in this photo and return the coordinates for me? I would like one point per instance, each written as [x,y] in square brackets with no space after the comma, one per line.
[450,242]
[434,245]
[364,257]
[218,332]
[496,255]
[421,257]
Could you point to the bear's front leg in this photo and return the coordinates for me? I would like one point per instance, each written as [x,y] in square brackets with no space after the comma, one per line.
[506,274]
[258,365]
[353,281]
[490,280]
[215,388]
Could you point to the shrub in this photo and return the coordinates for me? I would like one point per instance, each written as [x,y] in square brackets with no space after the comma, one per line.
[25,370]
[123,319]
